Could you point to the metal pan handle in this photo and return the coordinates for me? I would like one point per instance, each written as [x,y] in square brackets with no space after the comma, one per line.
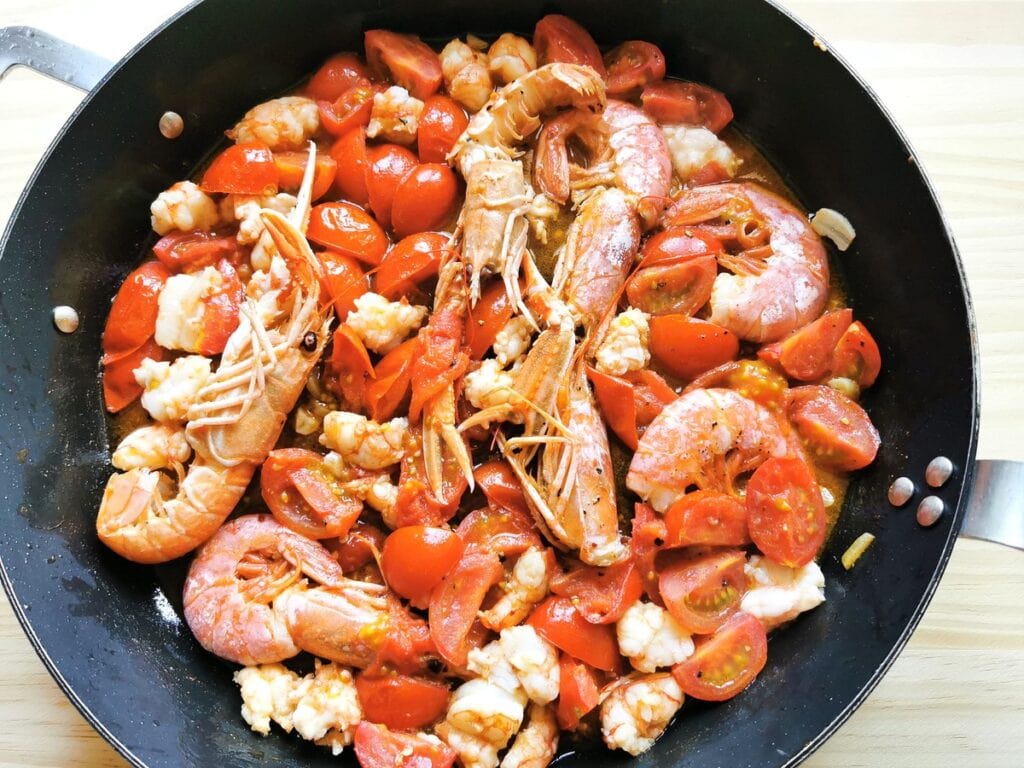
[995,509]
[48,55]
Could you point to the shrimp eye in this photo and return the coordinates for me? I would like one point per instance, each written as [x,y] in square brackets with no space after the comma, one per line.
[309,342]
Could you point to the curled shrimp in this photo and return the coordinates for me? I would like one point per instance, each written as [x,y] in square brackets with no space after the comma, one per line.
[233,585]
[777,279]
[705,438]
[465,75]
[535,745]
[636,710]
[236,417]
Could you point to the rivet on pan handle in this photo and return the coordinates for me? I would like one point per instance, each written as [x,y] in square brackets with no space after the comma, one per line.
[995,510]
[28,47]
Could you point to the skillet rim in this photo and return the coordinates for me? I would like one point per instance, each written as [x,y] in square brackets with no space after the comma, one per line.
[958,510]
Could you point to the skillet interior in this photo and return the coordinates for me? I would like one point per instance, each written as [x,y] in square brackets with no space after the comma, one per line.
[111,635]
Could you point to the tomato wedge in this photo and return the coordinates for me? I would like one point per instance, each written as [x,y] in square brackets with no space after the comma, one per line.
[390,387]
[676,101]
[504,530]
[615,399]
[601,595]
[651,394]
[132,318]
[806,354]
[292,168]
[486,319]
[456,601]
[401,701]
[417,557]
[343,280]
[558,38]
[649,534]
[377,747]
[702,592]
[119,386]
[357,547]
[856,356]
[410,262]
[786,516]
[186,251]
[501,487]
[349,152]
[335,76]
[349,230]
[411,63]
[220,311]
[304,496]
[836,430]
[559,622]
[725,663]
[681,288]
[632,65]
[387,165]
[707,518]
[243,169]
[349,111]
[441,123]
[424,199]
[349,368]
[687,347]
[578,692]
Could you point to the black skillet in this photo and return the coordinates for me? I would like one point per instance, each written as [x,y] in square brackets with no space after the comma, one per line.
[110,632]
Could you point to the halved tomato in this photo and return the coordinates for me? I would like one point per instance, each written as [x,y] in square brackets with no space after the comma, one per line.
[487,318]
[725,663]
[387,165]
[456,601]
[357,547]
[676,101]
[243,169]
[578,691]
[304,496]
[707,518]
[601,595]
[409,61]
[441,123]
[132,318]
[416,558]
[648,539]
[651,393]
[220,311]
[349,152]
[292,168]
[559,622]
[335,76]
[377,747]
[856,356]
[120,389]
[806,354]
[401,701]
[786,516]
[411,262]
[501,487]
[348,368]
[837,431]
[349,111]
[615,399]
[680,288]
[349,230]
[344,281]
[390,387]
[504,530]
[187,251]
[702,592]
[687,347]
[632,65]
[424,199]
[558,38]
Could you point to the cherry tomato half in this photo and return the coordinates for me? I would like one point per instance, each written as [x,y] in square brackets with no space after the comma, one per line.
[504,530]
[387,165]
[132,318]
[500,486]
[806,354]
[349,152]
[676,101]
[455,603]
[335,76]
[487,318]
[377,747]
[687,347]
[558,38]
[578,691]
[304,496]
[417,557]
[702,592]
[401,701]
[601,595]
[349,230]
[837,431]
[725,663]
[120,389]
[424,199]
[633,65]
[187,251]
[357,547]
[220,311]
[411,262]
[706,518]
[785,513]
[559,622]
[441,123]
[292,168]
[856,356]
[390,386]
[411,63]
[350,110]
[344,281]
[243,169]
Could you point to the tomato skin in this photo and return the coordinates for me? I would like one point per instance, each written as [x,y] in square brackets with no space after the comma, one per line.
[411,63]
[187,251]
[558,38]
[390,387]
[335,76]
[649,534]
[291,167]
[242,169]
[349,152]
[377,747]
[387,165]
[357,547]
[740,646]
[411,261]
[417,557]
[601,595]
[785,513]
[856,356]
[486,319]
[424,199]
[702,592]
[687,347]
[119,386]
[676,273]
[441,123]
[806,354]
[578,692]
[503,530]
[457,599]
[303,495]
[706,518]
[676,101]
[349,230]
[837,431]
[559,622]
[349,111]
[343,280]
[220,315]
[500,486]
[615,399]
[651,394]
[348,368]
[633,65]
[401,701]
[132,318]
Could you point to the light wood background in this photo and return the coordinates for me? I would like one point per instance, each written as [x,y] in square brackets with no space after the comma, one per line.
[952,72]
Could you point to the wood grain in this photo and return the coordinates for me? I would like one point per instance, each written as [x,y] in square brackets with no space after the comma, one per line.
[952,73]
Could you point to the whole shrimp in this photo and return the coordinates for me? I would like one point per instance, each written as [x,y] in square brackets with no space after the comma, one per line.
[705,438]
[233,591]
[778,268]
[236,418]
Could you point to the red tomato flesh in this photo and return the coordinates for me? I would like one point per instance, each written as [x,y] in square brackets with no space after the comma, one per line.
[675,101]
[687,347]
[187,251]
[504,530]
[441,123]
[411,262]
[377,747]
[558,38]
[486,319]
[856,356]
[806,354]
[119,386]
[358,547]
[220,313]
[456,601]
[335,76]
[304,496]
[349,111]
[702,592]
[390,387]
[292,168]
[349,152]
[401,701]
[707,518]
[424,199]
[559,622]
[632,65]
[411,63]
[243,169]
[725,663]
[343,281]
[132,318]
[349,230]
[578,692]
[501,487]
[837,431]
[387,165]
[601,595]
[785,513]
[416,558]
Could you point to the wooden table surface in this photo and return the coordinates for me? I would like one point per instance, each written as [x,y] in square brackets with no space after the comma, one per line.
[952,73]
